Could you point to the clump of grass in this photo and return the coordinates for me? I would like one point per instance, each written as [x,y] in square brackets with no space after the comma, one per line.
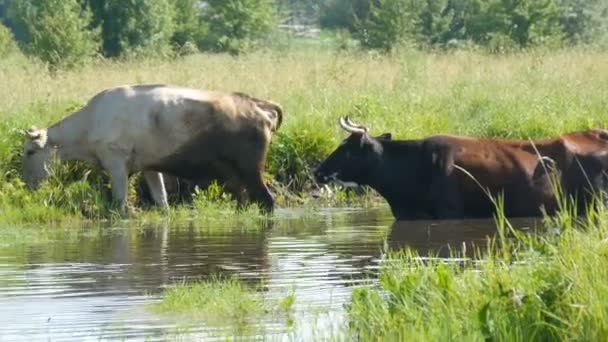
[215,301]
[226,303]
[539,287]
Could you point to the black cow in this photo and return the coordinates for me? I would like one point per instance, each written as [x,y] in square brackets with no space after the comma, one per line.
[451,177]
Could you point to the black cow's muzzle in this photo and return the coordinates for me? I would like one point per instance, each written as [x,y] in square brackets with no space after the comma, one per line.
[321,177]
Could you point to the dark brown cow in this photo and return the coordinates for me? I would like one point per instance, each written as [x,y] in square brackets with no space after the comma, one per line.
[448,176]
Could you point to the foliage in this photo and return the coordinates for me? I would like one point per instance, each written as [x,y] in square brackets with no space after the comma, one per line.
[584,20]
[386,24]
[137,27]
[7,43]
[236,25]
[189,28]
[527,22]
[496,24]
[292,155]
[56,31]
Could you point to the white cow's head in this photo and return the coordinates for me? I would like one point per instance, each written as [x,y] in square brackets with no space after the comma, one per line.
[37,154]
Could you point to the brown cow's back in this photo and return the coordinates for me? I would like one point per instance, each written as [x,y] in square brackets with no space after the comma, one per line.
[510,167]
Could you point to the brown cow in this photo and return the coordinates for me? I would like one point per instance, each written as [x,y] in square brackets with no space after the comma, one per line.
[448,176]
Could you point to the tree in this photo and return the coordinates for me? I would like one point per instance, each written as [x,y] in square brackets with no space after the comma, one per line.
[137,27]
[385,24]
[56,31]
[525,22]
[584,20]
[188,25]
[236,25]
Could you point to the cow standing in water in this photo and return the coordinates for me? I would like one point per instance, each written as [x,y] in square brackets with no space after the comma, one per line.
[449,177]
[163,129]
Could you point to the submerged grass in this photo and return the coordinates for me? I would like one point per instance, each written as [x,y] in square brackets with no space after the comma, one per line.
[216,300]
[411,94]
[224,303]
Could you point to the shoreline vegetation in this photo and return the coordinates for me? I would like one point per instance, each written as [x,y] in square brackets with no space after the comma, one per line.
[543,284]
[411,94]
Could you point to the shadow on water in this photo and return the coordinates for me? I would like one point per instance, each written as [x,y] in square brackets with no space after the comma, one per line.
[97,284]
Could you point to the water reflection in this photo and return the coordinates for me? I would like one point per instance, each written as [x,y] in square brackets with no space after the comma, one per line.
[95,284]
[444,238]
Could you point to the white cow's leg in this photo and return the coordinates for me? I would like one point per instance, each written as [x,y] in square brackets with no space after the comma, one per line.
[157,188]
[117,168]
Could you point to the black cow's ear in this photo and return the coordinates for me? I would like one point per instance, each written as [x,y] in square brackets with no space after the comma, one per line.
[386,136]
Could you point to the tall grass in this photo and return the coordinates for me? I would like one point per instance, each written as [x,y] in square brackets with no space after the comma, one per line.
[411,94]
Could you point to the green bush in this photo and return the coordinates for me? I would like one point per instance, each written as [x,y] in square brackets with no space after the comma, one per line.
[56,31]
[137,27]
[235,26]
[291,156]
[7,43]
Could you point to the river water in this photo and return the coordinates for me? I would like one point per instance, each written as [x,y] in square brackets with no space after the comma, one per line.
[99,283]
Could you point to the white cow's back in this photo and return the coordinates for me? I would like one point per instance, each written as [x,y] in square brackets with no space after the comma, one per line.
[149,121]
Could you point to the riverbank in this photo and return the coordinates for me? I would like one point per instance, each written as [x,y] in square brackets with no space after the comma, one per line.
[411,94]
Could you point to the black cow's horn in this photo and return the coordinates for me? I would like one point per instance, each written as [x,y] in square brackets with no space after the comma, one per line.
[344,123]
[352,124]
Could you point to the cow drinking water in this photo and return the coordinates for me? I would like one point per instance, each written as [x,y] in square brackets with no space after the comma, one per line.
[450,177]
[162,129]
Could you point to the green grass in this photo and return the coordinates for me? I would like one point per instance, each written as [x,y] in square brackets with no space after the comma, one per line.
[411,94]
[538,287]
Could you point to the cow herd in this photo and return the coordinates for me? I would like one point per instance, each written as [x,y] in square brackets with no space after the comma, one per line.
[199,135]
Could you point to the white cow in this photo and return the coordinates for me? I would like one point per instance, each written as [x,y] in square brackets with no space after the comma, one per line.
[160,128]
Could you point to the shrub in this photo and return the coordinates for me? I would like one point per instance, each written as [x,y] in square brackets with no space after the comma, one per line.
[56,31]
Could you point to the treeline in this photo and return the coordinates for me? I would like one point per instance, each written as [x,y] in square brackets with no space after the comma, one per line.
[69,32]
[496,24]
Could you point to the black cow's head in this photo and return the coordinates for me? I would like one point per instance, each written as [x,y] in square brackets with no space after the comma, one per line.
[355,158]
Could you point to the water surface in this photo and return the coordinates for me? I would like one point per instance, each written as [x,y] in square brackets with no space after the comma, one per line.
[98,285]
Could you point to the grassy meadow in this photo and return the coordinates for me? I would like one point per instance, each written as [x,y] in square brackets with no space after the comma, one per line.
[409,93]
